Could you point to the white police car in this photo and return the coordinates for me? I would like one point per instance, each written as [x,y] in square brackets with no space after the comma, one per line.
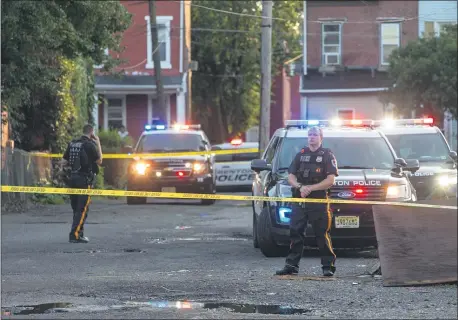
[234,170]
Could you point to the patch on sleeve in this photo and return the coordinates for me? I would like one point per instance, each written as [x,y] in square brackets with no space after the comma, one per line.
[302,150]
[334,163]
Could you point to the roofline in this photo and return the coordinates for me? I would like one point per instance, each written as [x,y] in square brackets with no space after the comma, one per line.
[132,86]
[342,90]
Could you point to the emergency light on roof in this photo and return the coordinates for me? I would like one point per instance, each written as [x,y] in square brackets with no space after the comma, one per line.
[327,123]
[151,127]
[400,122]
[236,142]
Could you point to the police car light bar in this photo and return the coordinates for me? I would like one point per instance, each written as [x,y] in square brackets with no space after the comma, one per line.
[327,123]
[400,122]
[151,127]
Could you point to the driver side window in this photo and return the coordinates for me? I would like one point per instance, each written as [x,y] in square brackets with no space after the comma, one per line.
[270,151]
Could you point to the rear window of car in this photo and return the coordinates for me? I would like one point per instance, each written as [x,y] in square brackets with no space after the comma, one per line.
[234,157]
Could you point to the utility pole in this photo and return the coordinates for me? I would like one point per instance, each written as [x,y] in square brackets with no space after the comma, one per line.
[161,109]
[266,71]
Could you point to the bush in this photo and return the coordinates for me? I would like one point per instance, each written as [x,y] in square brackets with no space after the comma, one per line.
[115,170]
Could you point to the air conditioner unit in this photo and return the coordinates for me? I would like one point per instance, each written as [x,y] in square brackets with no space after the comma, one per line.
[331,59]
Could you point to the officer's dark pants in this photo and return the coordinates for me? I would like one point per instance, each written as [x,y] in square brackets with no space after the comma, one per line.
[320,217]
[80,205]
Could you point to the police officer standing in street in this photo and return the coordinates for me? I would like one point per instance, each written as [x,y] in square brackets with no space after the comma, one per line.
[311,173]
[84,155]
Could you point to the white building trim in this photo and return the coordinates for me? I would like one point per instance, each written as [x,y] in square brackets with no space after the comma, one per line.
[167,64]
[95,112]
[150,108]
[343,90]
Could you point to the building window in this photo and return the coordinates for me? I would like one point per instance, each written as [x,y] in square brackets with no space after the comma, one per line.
[164,47]
[434,28]
[331,43]
[100,66]
[390,40]
[345,114]
[115,112]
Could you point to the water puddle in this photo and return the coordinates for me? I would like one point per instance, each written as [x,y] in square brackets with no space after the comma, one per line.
[184,305]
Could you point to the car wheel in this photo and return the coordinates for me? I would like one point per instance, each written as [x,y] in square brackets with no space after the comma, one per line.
[264,234]
[136,200]
[255,232]
[211,190]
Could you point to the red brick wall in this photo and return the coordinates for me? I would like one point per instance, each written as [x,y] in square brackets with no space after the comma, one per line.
[360,42]
[135,38]
[173,108]
[276,107]
[137,114]
[295,113]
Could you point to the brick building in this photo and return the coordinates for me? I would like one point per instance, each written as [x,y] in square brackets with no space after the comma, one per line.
[344,61]
[131,99]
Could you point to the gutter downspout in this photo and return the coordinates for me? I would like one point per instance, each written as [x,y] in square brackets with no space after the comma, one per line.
[181,34]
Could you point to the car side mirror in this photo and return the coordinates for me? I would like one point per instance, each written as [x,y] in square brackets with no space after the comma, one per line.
[413,165]
[453,155]
[400,163]
[259,165]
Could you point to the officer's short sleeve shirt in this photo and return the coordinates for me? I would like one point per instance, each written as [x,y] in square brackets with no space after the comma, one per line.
[331,164]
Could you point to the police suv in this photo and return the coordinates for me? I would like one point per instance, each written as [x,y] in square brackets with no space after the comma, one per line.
[234,170]
[420,139]
[368,170]
[184,173]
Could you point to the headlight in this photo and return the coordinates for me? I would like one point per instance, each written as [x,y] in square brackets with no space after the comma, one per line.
[141,168]
[284,215]
[199,167]
[397,192]
[446,181]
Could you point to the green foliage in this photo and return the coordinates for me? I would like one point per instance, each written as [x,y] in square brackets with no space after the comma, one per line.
[424,72]
[226,88]
[111,142]
[48,49]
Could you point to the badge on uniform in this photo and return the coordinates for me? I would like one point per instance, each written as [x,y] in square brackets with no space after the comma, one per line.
[318,170]
[319,159]
[334,163]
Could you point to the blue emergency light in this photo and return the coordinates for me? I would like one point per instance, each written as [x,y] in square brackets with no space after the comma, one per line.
[330,123]
[150,127]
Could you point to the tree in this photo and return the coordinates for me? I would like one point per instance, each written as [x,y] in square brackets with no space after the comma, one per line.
[227,46]
[48,50]
[424,74]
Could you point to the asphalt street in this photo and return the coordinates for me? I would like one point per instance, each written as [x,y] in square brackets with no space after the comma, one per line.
[178,259]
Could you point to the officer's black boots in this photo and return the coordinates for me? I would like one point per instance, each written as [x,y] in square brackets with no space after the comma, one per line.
[81,239]
[327,272]
[287,270]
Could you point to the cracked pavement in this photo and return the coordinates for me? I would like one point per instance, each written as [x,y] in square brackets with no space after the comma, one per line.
[147,261]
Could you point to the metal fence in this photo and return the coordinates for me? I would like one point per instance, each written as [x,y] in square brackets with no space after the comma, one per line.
[21,168]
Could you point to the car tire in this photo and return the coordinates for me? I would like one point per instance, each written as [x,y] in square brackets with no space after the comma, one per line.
[255,232]
[136,200]
[208,202]
[265,239]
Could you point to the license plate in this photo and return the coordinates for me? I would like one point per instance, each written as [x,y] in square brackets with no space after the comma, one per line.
[169,189]
[347,222]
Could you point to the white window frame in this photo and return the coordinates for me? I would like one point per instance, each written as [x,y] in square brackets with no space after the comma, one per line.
[105,110]
[167,64]
[100,66]
[323,34]
[437,26]
[385,63]
[353,111]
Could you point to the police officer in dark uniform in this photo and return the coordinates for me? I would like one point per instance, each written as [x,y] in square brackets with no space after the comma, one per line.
[311,174]
[84,155]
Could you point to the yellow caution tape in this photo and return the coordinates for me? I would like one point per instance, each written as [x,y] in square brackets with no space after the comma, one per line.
[155,155]
[169,195]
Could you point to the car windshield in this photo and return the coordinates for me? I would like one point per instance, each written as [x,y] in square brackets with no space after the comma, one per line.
[423,147]
[166,142]
[235,157]
[351,153]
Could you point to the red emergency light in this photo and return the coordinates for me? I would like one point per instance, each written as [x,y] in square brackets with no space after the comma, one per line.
[180,173]
[236,142]
[359,191]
